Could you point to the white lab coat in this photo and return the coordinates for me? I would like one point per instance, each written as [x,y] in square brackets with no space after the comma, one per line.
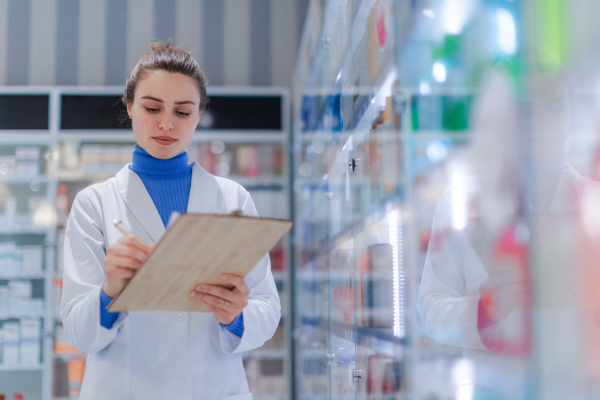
[156,355]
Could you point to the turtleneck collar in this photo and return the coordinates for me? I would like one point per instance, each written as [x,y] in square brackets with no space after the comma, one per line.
[144,163]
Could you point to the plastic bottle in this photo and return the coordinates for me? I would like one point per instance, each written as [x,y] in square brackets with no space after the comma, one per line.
[63,202]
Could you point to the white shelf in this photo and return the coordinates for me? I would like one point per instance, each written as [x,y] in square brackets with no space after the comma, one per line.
[69,356]
[44,137]
[23,179]
[20,316]
[257,180]
[270,354]
[5,368]
[4,230]
[11,277]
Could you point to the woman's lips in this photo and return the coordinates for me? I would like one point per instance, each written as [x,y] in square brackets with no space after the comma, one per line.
[164,140]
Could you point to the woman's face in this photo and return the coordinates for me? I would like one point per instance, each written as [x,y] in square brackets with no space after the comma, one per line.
[164,113]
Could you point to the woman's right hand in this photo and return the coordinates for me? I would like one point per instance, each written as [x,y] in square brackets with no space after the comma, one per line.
[123,259]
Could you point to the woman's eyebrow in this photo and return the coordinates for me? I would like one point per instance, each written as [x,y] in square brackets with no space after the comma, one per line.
[160,101]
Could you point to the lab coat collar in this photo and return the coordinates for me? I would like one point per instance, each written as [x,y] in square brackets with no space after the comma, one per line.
[138,200]
[204,192]
[203,198]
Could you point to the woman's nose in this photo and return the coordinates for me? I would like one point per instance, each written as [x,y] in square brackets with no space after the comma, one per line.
[166,122]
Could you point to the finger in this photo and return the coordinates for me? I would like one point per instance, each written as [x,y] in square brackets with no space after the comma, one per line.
[120,273]
[128,251]
[237,281]
[212,300]
[220,303]
[136,242]
[126,273]
[218,291]
[124,262]
[236,305]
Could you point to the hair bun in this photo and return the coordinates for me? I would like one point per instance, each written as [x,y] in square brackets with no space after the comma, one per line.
[156,46]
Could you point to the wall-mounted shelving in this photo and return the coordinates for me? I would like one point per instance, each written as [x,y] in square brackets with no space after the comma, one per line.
[72,154]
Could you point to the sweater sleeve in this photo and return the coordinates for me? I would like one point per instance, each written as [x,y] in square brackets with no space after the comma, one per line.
[236,327]
[107,318]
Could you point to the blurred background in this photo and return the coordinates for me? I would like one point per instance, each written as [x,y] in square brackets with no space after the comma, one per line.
[440,160]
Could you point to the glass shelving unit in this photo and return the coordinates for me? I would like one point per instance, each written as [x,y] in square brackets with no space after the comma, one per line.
[398,108]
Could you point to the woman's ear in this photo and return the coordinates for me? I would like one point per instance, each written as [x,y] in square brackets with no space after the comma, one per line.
[129,110]
[199,115]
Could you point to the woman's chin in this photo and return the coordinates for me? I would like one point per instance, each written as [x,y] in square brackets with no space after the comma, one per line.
[162,153]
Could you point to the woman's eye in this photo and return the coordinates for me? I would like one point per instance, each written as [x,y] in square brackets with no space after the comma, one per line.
[152,110]
[183,114]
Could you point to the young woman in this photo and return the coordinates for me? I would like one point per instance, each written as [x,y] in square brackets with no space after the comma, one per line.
[160,355]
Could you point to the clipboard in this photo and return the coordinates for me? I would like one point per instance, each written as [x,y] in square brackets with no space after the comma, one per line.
[198,249]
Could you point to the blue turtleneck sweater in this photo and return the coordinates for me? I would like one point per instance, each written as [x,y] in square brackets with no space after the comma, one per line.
[168,183]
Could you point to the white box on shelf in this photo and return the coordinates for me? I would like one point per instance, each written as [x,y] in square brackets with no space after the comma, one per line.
[10,332]
[27,169]
[90,158]
[4,300]
[31,328]
[10,354]
[10,262]
[7,165]
[21,289]
[35,307]
[30,352]
[10,211]
[20,295]
[27,153]
[32,260]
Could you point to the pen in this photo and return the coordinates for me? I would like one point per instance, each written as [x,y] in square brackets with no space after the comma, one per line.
[122,228]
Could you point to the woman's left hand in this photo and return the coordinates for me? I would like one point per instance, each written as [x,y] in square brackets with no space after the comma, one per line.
[226,304]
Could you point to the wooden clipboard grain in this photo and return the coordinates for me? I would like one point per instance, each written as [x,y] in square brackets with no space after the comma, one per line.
[198,248]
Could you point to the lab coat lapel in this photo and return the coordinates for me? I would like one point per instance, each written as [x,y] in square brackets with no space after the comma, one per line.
[134,194]
[204,192]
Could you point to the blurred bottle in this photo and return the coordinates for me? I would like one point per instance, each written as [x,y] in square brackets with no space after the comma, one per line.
[58,285]
[278,161]
[76,369]
[247,160]
[63,202]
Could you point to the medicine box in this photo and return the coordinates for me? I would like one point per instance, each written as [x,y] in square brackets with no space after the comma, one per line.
[10,354]
[30,352]
[32,257]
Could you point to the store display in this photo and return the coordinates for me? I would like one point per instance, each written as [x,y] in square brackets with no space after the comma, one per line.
[39,183]
[248,160]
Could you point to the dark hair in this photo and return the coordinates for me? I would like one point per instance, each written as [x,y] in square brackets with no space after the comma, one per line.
[164,56]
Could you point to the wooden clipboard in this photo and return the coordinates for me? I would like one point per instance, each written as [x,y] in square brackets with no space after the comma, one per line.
[198,248]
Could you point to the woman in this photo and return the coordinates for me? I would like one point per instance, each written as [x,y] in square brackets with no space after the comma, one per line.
[160,355]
